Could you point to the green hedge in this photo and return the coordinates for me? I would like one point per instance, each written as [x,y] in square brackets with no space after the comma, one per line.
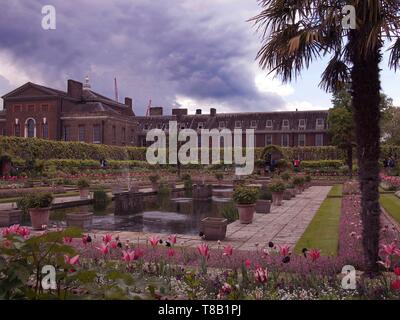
[322,164]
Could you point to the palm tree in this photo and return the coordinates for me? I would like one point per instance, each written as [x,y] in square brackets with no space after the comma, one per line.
[296,32]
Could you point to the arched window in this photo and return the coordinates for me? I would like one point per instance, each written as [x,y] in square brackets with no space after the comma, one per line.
[30,128]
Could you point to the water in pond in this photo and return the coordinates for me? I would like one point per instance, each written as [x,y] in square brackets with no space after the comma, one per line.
[175,214]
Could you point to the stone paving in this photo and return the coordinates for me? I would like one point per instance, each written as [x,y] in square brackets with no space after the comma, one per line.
[284,225]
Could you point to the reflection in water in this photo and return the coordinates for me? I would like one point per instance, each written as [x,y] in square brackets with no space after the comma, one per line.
[175,214]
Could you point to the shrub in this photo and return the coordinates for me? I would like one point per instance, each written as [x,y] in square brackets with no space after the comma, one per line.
[100,199]
[307,178]
[277,186]
[285,176]
[298,181]
[35,200]
[245,195]
[230,212]
[154,178]
[265,194]
[83,183]
[164,190]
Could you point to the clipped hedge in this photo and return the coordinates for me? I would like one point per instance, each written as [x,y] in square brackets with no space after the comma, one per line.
[322,164]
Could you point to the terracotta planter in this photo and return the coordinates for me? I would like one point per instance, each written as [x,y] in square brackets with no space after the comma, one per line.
[277,198]
[39,217]
[263,206]
[84,193]
[83,220]
[10,217]
[246,212]
[214,228]
[287,195]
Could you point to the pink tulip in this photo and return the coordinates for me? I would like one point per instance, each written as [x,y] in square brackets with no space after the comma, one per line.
[386,264]
[396,285]
[203,250]
[154,240]
[397,271]
[284,251]
[228,251]
[67,239]
[261,275]
[128,256]
[247,263]
[315,254]
[138,253]
[172,238]
[107,238]
[104,249]
[389,249]
[114,244]
[72,261]
[171,252]
[86,239]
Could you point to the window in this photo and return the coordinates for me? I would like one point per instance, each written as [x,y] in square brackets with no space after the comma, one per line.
[45,131]
[302,140]
[253,124]
[132,136]
[285,124]
[30,128]
[268,139]
[320,123]
[302,124]
[17,130]
[222,124]
[319,140]
[200,125]
[67,133]
[285,140]
[238,124]
[96,133]
[268,124]
[81,133]
[45,107]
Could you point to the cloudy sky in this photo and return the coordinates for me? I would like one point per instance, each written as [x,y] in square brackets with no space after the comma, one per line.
[188,53]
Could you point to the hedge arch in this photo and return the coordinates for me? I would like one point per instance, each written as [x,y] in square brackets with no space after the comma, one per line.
[272,149]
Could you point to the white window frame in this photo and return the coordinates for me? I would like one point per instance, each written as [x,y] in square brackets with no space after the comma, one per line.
[266,139]
[320,126]
[302,126]
[304,140]
[26,127]
[236,124]
[288,140]
[285,126]
[200,125]
[316,140]
[253,124]
[93,131]
[269,126]
[221,125]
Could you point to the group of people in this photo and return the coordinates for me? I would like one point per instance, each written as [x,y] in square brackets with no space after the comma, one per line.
[103,163]
[271,163]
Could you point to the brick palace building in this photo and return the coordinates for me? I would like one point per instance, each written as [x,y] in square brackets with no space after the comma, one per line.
[80,114]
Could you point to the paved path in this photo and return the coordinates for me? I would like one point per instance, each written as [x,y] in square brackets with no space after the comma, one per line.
[284,225]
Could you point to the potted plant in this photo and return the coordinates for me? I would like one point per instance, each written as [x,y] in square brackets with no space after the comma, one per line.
[219,176]
[245,199]
[298,182]
[263,204]
[154,181]
[307,180]
[83,185]
[291,190]
[277,188]
[38,206]
[213,228]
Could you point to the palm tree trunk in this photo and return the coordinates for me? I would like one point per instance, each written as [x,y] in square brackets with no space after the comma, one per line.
[366,98]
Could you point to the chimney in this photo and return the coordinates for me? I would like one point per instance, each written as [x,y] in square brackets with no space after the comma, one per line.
[128,102]
[179,112]
[198,111]
[213,112]
[75,89]
[156,111]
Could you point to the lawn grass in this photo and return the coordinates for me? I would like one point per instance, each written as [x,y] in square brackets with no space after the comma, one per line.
[323,231]
[336,191]
[391,204]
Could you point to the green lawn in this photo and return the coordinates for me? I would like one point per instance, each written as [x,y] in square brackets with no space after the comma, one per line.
[392,205]
[336,191]
[323,231]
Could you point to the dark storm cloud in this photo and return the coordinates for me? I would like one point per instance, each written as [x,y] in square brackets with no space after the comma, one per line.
[203,50]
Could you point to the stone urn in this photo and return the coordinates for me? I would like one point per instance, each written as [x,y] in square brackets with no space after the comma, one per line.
[84,193]
[246,212]
[82,220]
[10,217]
[277,198]
[214,228]
[263,206]
[39,217]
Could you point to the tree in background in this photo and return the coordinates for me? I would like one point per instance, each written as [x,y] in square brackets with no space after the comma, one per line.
[296,33]
[341,125]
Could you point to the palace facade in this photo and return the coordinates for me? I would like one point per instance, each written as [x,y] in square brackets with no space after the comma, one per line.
[81,114]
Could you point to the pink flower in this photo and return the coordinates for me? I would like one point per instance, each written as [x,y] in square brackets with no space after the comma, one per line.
[228,251]
[397,271]
[128,256]
[389,249]
[23,231]
[171,252]
[107,238]
[315,254]
[172,238]
[284,251]
[247,263]
[72,261]
[104,249]
[154,240]
[261,275]
[386,264]
[138,253]
[67,239]
[396,285]
[114,244]
[86,239]
[203,250]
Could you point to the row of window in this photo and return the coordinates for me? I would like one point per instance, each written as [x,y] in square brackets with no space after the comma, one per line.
[67,136]
[301,140]
[31,108]
[319,124]
[30,129]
